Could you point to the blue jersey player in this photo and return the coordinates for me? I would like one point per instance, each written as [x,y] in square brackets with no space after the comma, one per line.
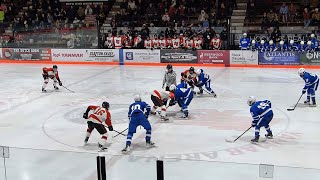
[183,95]
[244,42]
[262,115]
[311,86]
[204,80]
[138,115]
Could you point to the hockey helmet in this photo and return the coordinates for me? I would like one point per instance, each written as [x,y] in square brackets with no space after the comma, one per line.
[105,104]
[253,41]
[262,42]
[291,41]
[281,42]
[54,67]
[251,100]
[312,35]
[191,69]
[137,98]
[199,71]
[309,43]
[169,66]
[302,42]
[271,42]
[301,71]
[172,87]
[244,34]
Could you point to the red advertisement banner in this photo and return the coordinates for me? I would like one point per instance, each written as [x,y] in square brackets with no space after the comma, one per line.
[214,57]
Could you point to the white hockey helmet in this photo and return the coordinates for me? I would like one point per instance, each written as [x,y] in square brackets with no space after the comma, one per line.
[172,87]
[199,71]
[281,42]
[291,41]
[262,42]
[251,100]
[137,98]
[253,41]
[309,43]
[302,42]
[301,71]
[312,35]
[244,34]
[271,42]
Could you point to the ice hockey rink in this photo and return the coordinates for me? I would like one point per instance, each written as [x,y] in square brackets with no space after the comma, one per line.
[45,131]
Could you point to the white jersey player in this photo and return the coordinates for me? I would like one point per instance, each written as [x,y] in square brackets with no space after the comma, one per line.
[109,43]
[148,43]
[118,41]
[197,43]
[176,42]
[162,99]
[155,42]
[95,120]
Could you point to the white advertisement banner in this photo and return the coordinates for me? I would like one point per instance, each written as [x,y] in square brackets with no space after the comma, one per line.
[96,55]
[243,57]
[141,55]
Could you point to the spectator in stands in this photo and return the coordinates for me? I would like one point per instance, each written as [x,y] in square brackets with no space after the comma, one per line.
[271,16]
[306,18]
[95,9]
[88,10]
[71,13]
[181,13]
[316,17]
[224,38]
[284,13]
[276,35]
[202,17]
[222,11]
[251,13]
[265,23]
[81,13]
[213,18]
[132,5]
[292,12]
[165,18]
[151,12]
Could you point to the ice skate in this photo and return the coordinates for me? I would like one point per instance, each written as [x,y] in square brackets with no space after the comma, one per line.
[200,92]
[102,148]
[86,141]
[126,149]
[307,102]
[255,140]
[150,144]
[43,90]
[314,104]
[269,135]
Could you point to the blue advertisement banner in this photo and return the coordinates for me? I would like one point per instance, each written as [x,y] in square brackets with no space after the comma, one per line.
[279,58]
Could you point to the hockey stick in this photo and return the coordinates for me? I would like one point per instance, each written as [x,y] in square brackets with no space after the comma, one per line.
[210,93]
[291,109]
[120,133]
[68,89]
[232,141]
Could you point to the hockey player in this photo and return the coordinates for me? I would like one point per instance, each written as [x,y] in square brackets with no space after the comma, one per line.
[262,115]
[244,42]
[197,43]
[162,99]
[292,46]
[254,45]
[96,120]
[261,47]
[148,43]
[189,44]
[162,42]
[138,115]
[189,76]
[310,47]
[51,73]
[155,42]
[271,46]
[281,46]
[302,47]
[176,42]
[118,40]
[311,86]
[215,43]
[169,42]
[109,43]
[170,77]
[183,95]
[314,42]
[204,80]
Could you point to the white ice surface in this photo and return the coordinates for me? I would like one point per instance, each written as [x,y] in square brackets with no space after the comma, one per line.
[45,132]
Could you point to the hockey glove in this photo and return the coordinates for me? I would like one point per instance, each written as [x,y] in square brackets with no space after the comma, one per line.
[110,128]
[172,103]
[304,91]
[60,83]
[146,115]
[85,115]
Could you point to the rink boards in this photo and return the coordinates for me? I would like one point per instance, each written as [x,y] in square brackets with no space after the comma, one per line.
[226,58]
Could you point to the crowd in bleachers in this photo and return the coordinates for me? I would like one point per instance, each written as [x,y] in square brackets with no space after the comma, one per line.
[183,13]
